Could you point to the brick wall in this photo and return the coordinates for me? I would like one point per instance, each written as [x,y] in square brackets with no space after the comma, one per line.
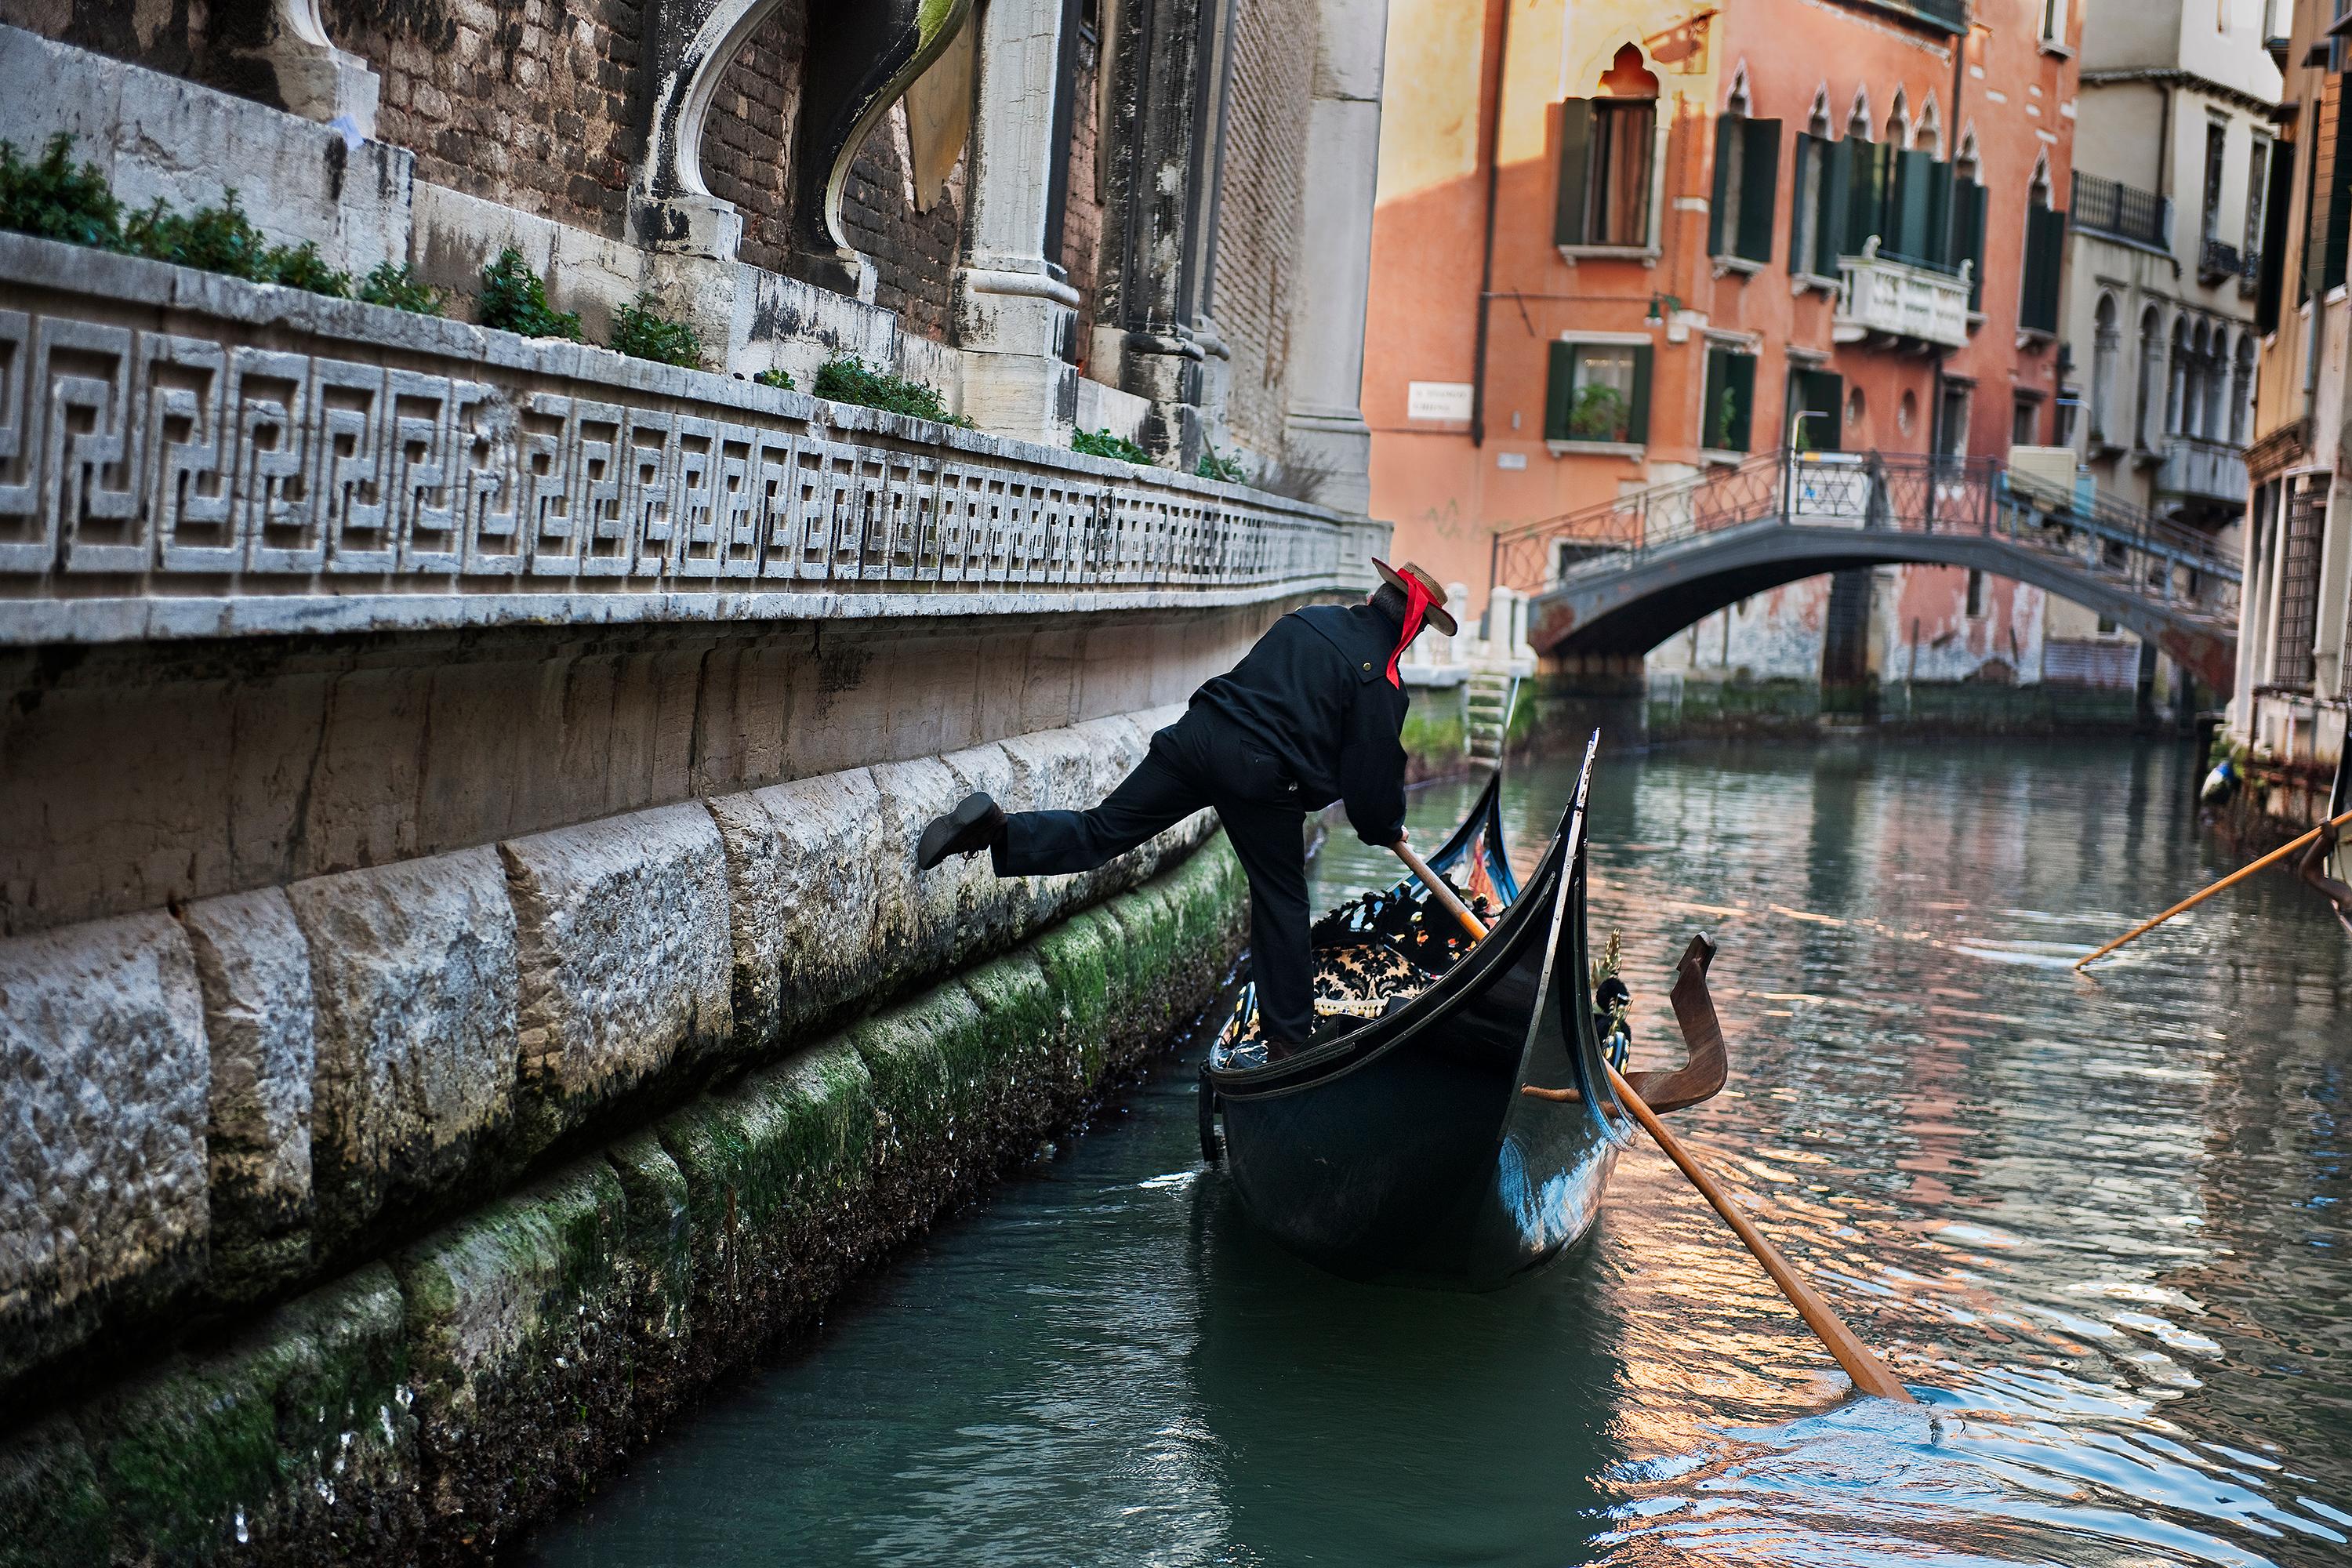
[1258,197]
[1082,215]
[202,43]
[747,144]
[914,253]
[530,104]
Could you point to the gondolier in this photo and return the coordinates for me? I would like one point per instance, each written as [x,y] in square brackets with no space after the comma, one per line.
[1312,715]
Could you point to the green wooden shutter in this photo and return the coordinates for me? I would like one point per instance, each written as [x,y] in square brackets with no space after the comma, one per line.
[1968,237]
[2338,239]
[1727,135]
[2271,284]
[1910,210]
[1718,372]
[1575,170]
[2045,239]
[1829,223]
[1637,422]
[1740,376]
[1759,185]
[1559,391]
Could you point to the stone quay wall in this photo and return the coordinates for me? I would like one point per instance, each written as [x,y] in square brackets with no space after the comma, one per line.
[456,781]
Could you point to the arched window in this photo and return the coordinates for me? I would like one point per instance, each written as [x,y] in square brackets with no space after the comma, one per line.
[1607,159]
[2045,259]
[2242,390]
[1898,121]
[1738,104]
[1804,216]
[2215,423]
[2107,348]
[2151,409]
[1857,124]
[2176,402]
[1817,121]
[1966,166]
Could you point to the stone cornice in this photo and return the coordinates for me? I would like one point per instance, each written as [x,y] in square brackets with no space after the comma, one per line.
[2175,76]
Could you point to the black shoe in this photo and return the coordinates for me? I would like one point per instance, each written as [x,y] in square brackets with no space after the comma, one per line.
[976,823]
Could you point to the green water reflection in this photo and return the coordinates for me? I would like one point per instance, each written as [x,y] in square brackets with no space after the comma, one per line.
[2095,1223]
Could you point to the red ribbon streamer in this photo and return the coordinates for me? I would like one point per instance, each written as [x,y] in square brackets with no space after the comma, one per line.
[1417,601]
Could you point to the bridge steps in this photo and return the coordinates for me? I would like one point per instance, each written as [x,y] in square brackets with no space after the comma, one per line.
[1486,704]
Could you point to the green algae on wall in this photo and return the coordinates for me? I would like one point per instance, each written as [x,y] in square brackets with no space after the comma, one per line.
[427,1409]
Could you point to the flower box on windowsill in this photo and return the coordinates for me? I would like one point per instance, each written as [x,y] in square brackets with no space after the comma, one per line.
[1572,254]
[1632,450]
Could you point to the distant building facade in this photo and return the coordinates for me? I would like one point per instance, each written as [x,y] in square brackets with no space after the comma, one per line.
[1617,241]
[2176,168]
[2295,651]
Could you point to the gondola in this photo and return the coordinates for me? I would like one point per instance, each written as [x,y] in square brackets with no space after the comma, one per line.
[1458,1137]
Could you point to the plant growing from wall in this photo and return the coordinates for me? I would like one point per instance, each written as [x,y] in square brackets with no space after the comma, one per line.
[514,299]
[50,197]
[1216,465]
[398,288]
[222,239]
[847,379]
[1722,420]
[1103,444]
[1600,413]
[642,332]
[782,380]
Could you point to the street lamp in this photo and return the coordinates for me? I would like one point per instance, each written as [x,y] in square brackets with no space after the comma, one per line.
[1796,426]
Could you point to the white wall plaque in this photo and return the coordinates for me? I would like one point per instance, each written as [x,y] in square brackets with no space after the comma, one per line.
[1438,400]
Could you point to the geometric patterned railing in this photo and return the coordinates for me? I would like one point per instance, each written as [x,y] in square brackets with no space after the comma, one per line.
[166,433]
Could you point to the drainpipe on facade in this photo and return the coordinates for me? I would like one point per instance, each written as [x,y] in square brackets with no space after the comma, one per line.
[1490,135]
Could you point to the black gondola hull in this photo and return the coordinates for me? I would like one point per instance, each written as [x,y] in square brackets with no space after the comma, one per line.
[1458,1140]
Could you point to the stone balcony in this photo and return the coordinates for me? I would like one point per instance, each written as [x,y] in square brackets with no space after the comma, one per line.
[1885,300]
[2201,470]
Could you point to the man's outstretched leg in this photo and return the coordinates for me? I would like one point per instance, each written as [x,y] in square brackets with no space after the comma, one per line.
[1149,801]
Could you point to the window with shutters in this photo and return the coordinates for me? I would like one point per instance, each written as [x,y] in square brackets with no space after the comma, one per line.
[2270,273]
[1816,404]
[1726,417]
[1746,180]
[1607,162]
[2106,352]
[1598,394]
[2297,664]
[1812,160]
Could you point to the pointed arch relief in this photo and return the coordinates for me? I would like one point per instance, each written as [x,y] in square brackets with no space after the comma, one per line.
[1817,119]
[860,56]
[1898,121]
[1627,76]
[1857,121]
[1741,100]
[1928,133]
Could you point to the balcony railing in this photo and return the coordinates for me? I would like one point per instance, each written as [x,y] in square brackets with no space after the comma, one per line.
[2202,470]
[2125,212]
[1881,296]
[2219,260]
[1945,15]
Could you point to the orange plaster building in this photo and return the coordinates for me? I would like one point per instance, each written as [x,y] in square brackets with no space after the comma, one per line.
[1619,239]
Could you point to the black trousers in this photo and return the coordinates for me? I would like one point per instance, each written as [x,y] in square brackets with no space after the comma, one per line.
[1201,760]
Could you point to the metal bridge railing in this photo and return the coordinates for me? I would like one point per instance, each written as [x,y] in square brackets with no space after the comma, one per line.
[1905,492]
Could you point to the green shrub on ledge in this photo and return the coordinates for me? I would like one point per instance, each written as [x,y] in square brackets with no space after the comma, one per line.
[514,299]
[397,288]
[1216,465]
[1103,444]
[782,380]
[222,239]
[642,333]
[51,199]
[846,379]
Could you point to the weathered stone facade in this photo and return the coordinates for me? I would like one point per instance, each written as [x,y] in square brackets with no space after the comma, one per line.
[461,963]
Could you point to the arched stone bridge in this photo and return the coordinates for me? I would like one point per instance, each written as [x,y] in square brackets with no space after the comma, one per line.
[1619,580]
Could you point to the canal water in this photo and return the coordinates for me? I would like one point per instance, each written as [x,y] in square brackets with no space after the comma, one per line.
[2097,1225]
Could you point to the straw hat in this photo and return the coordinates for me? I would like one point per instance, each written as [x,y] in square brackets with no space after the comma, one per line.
[1437,615]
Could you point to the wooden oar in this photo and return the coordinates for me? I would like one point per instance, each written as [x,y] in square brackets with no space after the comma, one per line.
[2234,877]
[1869,1374]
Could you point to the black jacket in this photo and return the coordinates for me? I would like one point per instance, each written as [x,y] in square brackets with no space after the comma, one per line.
[1314,692]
